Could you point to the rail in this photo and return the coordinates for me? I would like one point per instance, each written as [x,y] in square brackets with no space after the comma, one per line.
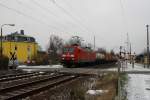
[31,87]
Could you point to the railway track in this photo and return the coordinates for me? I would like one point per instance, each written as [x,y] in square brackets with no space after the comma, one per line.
[34,86]
[18,76]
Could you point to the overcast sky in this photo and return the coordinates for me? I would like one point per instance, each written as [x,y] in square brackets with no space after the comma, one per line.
[108,20]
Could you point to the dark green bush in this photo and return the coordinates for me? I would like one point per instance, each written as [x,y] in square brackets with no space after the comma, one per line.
[41,59]
[4,62]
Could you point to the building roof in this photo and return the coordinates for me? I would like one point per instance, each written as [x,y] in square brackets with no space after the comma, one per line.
[18,34]
[18,37]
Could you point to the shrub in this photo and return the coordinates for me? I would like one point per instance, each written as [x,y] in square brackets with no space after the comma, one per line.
[41,59]
[4,62]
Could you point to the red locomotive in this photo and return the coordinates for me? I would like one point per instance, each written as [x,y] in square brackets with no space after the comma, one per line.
[75,54]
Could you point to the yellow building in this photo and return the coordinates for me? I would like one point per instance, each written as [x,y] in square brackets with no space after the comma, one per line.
[19,46]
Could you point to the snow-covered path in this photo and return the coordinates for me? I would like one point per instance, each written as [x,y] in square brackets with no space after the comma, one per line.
[138,87]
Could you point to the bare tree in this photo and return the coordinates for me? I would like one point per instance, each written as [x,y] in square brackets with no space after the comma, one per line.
[55,47]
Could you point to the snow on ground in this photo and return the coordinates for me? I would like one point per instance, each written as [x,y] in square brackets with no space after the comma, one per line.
[96,92]
[38,68]
[138,87]
[137,67]
[42,66]
[129,67]
[110,69]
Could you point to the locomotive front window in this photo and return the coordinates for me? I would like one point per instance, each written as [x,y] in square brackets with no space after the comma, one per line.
[68,50]
[65,50]
[71,50]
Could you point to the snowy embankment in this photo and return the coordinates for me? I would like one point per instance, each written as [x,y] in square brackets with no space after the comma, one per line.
[138,87]
[41,66]
[38,68]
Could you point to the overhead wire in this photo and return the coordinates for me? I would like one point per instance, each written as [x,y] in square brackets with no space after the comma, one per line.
[81,18]
[28,16]
[21,3]
[79,22]
[125,22]
[28,7]
[69,14]
[48,12]
[44,8]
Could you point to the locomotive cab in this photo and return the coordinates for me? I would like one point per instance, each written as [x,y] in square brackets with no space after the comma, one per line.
[75,55]
[69,55]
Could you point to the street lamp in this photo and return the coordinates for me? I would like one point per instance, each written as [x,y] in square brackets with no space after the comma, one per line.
[148,57]
[1,49]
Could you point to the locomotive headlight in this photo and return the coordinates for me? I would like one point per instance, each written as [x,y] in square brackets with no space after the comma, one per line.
[63,55]
[71,55]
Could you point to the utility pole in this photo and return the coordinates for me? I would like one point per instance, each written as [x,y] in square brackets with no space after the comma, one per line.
[94,42]
[147,46]
[1,47]
[128,41]
[128,48]
[130,53]
[119,66]
[125,57]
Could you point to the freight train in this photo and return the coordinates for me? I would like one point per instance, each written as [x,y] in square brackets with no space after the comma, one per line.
[104,58]
[76,55]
